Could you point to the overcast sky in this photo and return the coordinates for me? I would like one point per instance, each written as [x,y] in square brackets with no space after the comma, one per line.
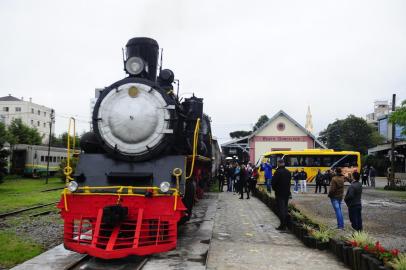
[245,58]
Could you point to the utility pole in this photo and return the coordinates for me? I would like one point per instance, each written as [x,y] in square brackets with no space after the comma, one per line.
[49,143]
[392,154]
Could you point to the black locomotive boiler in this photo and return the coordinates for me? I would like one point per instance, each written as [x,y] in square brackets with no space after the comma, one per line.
[149,155]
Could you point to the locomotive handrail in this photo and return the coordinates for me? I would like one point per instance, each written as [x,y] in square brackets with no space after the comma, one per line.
[87,191]
[195,142]
[67,171]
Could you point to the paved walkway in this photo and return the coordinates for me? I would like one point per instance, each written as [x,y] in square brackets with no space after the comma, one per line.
[244,237]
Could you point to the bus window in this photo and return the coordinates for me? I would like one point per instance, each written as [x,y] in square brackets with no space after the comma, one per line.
[327,161]
[291,161]
[274,159]
[346,161]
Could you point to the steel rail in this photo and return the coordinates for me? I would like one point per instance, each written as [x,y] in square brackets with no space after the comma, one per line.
[26,209]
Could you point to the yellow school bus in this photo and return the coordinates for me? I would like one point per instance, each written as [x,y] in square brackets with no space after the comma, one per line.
[311,160]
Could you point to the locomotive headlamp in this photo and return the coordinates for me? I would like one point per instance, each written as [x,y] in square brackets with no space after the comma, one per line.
[134,65]
[72,186]
[164,186]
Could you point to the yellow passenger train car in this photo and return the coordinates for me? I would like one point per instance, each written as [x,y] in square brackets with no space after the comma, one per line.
[311,160]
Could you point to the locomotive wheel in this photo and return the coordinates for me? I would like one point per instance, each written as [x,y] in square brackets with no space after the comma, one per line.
[188,200]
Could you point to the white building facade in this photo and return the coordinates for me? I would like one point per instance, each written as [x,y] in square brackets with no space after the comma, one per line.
[31,114]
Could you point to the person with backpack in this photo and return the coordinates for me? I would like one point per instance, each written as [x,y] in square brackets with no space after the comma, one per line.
[353,201]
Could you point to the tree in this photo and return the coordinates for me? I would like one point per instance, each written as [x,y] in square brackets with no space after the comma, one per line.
[239,133]
[352,133]
[398,117]
[242,133]
[332,136]
[261,121]
[62,141]
[3,152]
[19,133]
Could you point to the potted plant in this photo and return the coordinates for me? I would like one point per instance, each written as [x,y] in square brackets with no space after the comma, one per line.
[322,237]
[399,262]
[358,240]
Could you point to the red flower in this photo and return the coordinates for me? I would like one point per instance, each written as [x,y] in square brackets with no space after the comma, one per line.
[395,252]
[366,247]
[379,247]
[354,243]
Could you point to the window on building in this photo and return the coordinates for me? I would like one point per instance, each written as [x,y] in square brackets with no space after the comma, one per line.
[45,114]
[5,109]
[39,112]
[32,122]
[32,110]
[38,123]
[18,109]
[45,124]
[42,158]
[54,159]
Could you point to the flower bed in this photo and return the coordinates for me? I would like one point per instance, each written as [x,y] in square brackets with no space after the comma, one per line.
[359,250]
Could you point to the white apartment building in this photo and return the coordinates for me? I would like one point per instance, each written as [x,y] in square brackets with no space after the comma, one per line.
[31,114]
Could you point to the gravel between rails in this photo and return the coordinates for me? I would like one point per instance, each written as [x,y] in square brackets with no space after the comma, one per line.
[384,216]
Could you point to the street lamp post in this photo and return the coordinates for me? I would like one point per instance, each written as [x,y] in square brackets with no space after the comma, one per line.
[49,144]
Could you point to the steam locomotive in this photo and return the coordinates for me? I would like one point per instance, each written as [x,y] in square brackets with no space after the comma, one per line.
[147,159]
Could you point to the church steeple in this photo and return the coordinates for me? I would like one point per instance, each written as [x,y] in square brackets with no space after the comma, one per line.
[309,121]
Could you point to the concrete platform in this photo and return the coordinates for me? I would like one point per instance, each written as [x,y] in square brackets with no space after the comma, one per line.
[244,237]
[53,259]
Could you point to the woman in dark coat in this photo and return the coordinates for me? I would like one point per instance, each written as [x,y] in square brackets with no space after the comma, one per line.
[242,184]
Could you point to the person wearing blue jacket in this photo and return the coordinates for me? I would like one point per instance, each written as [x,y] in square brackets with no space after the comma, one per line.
[267,168]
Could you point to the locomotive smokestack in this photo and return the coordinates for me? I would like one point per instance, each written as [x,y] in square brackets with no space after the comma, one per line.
[142,58]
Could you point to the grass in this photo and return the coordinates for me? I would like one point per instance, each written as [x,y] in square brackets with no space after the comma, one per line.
[17,193]
[392,193]
[14,250]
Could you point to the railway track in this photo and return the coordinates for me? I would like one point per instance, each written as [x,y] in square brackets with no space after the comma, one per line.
[26,209]
[91,263]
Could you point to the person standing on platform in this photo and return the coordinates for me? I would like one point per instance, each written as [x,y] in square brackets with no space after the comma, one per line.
[252,185]
[326,181]
[267,168]
[230,177]
[221,176]
[236,178]
[295,177]
[242,184]
[372,175]
[365,174]
[303,181]
[319,181]
[353,201]
[281,186]
[336,196]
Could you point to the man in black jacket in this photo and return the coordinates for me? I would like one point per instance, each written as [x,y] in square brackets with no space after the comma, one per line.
[353,201]
[281,186]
